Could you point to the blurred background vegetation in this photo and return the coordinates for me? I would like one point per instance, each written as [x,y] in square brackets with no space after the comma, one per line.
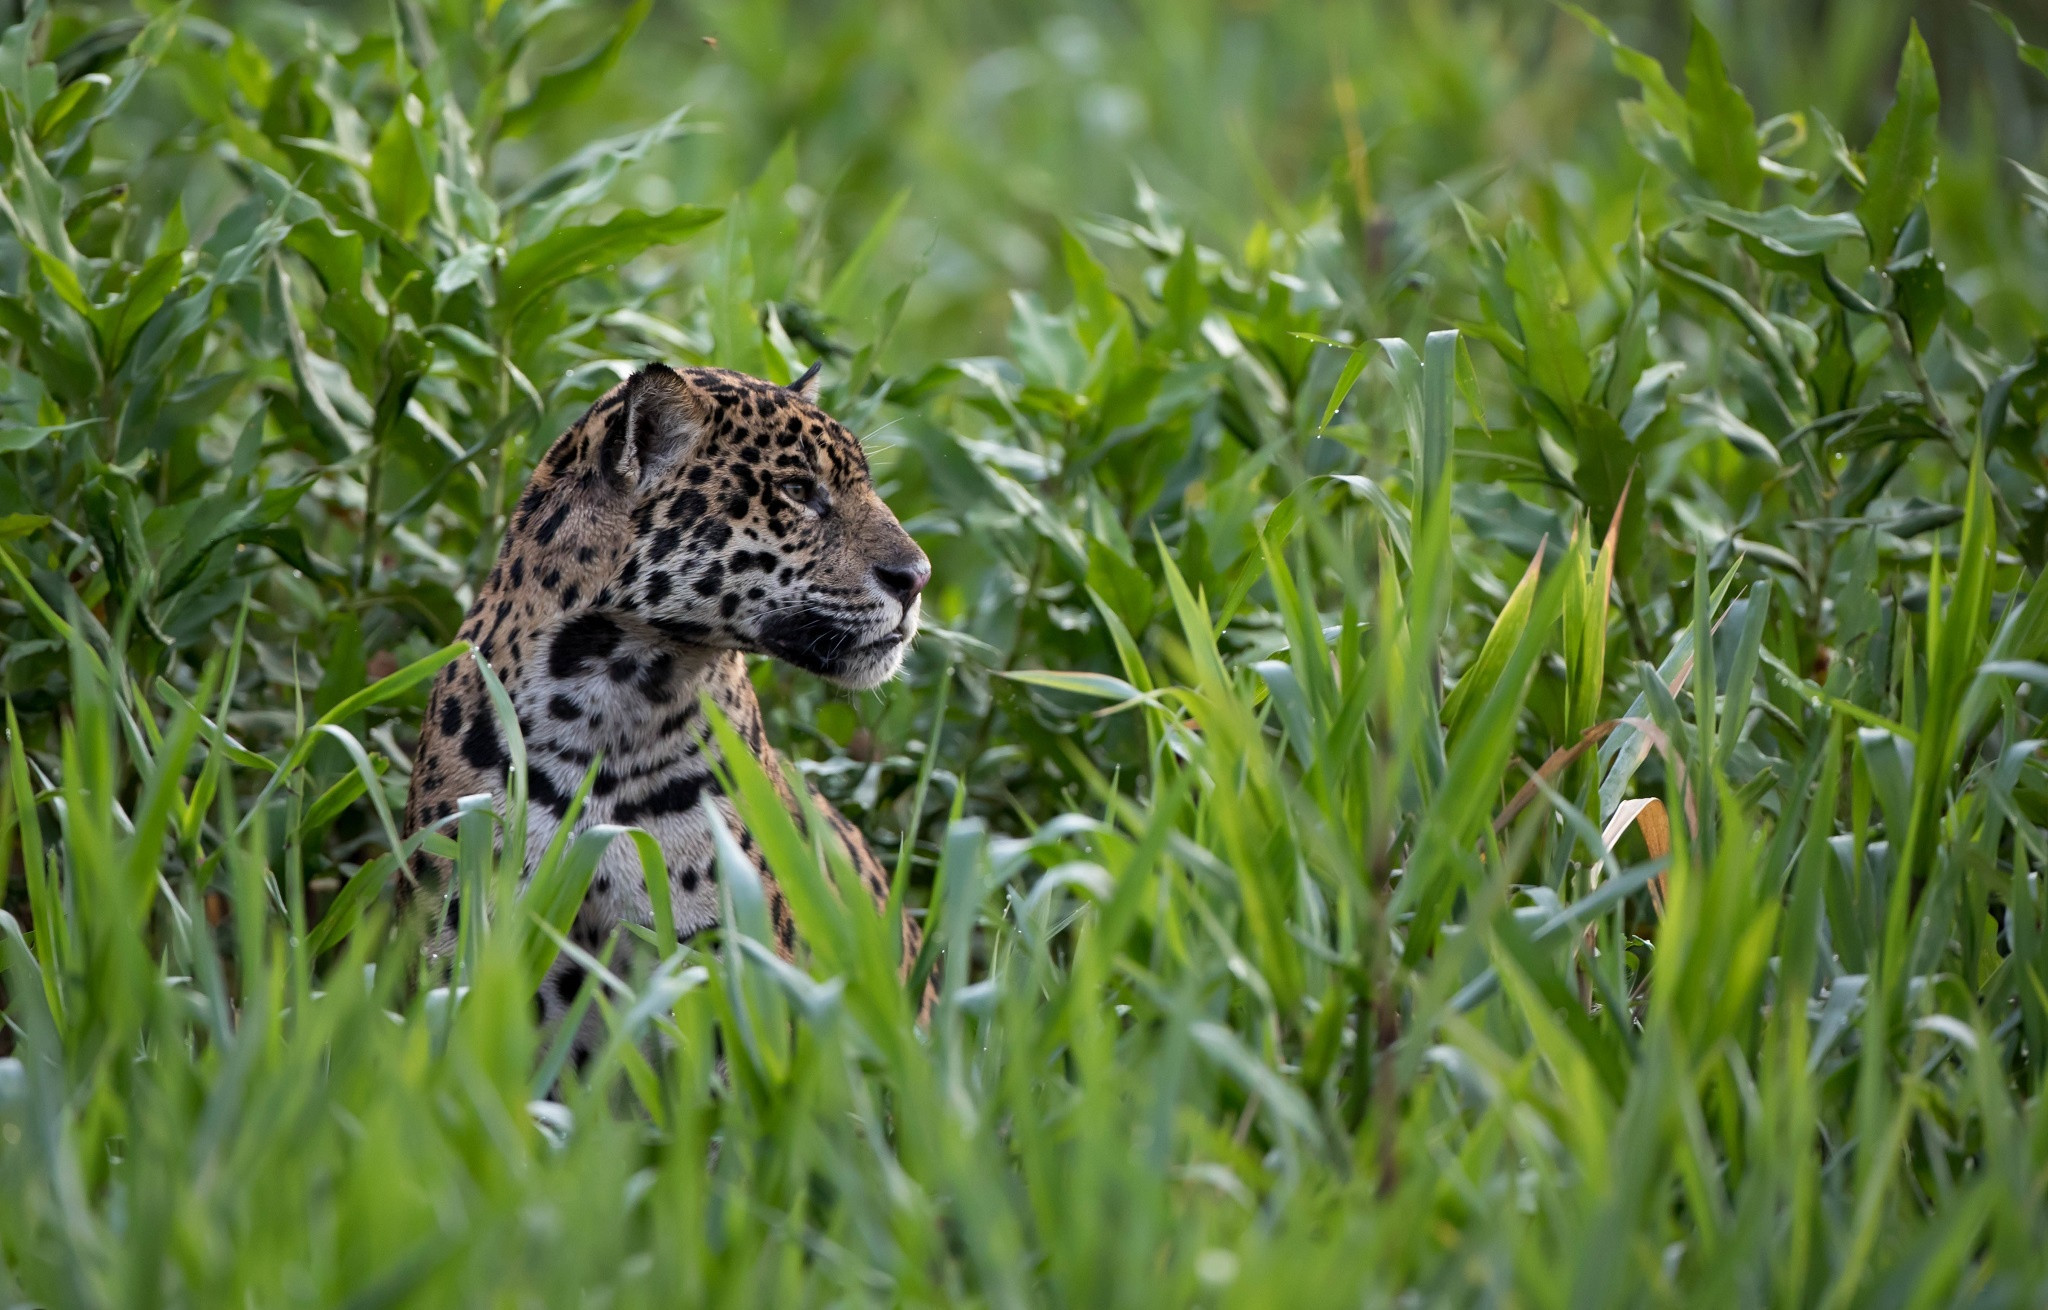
[1004,121]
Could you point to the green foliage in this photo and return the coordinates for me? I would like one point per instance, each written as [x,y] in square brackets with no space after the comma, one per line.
[1901,159]
[1545,810]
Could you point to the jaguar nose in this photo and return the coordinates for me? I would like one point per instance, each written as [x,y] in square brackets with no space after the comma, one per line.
[904,579]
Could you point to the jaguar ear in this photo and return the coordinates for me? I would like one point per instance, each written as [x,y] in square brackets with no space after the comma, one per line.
[807,385]
[661,419]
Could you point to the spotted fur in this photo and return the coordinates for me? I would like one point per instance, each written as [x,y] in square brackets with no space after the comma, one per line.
[687,520]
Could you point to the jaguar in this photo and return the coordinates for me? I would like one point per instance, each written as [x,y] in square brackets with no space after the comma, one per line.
[691,518]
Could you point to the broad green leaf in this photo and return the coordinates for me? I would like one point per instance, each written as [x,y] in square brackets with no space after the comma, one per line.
[1440,351]
[1556,362]
[574,252]
[402,167]
[1587,657]
[1407,366]
[361,890]
[1721,124]
[1711,411]
[1958,632]
[353,308]
[1786,230]
[63,280]
[26,437]
[1484,673]
[1353,367]
[1456,813]
[1097,310]
[1120,584]
[24,74]
[1099,685]
[1187,299]
[142,297]
[1901,160]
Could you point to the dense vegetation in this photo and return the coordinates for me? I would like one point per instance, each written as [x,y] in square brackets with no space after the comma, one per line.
[1479,738]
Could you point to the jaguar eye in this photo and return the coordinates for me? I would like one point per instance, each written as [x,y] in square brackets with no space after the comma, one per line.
[804,491]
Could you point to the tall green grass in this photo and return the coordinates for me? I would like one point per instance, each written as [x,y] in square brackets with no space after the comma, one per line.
[1479,743]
